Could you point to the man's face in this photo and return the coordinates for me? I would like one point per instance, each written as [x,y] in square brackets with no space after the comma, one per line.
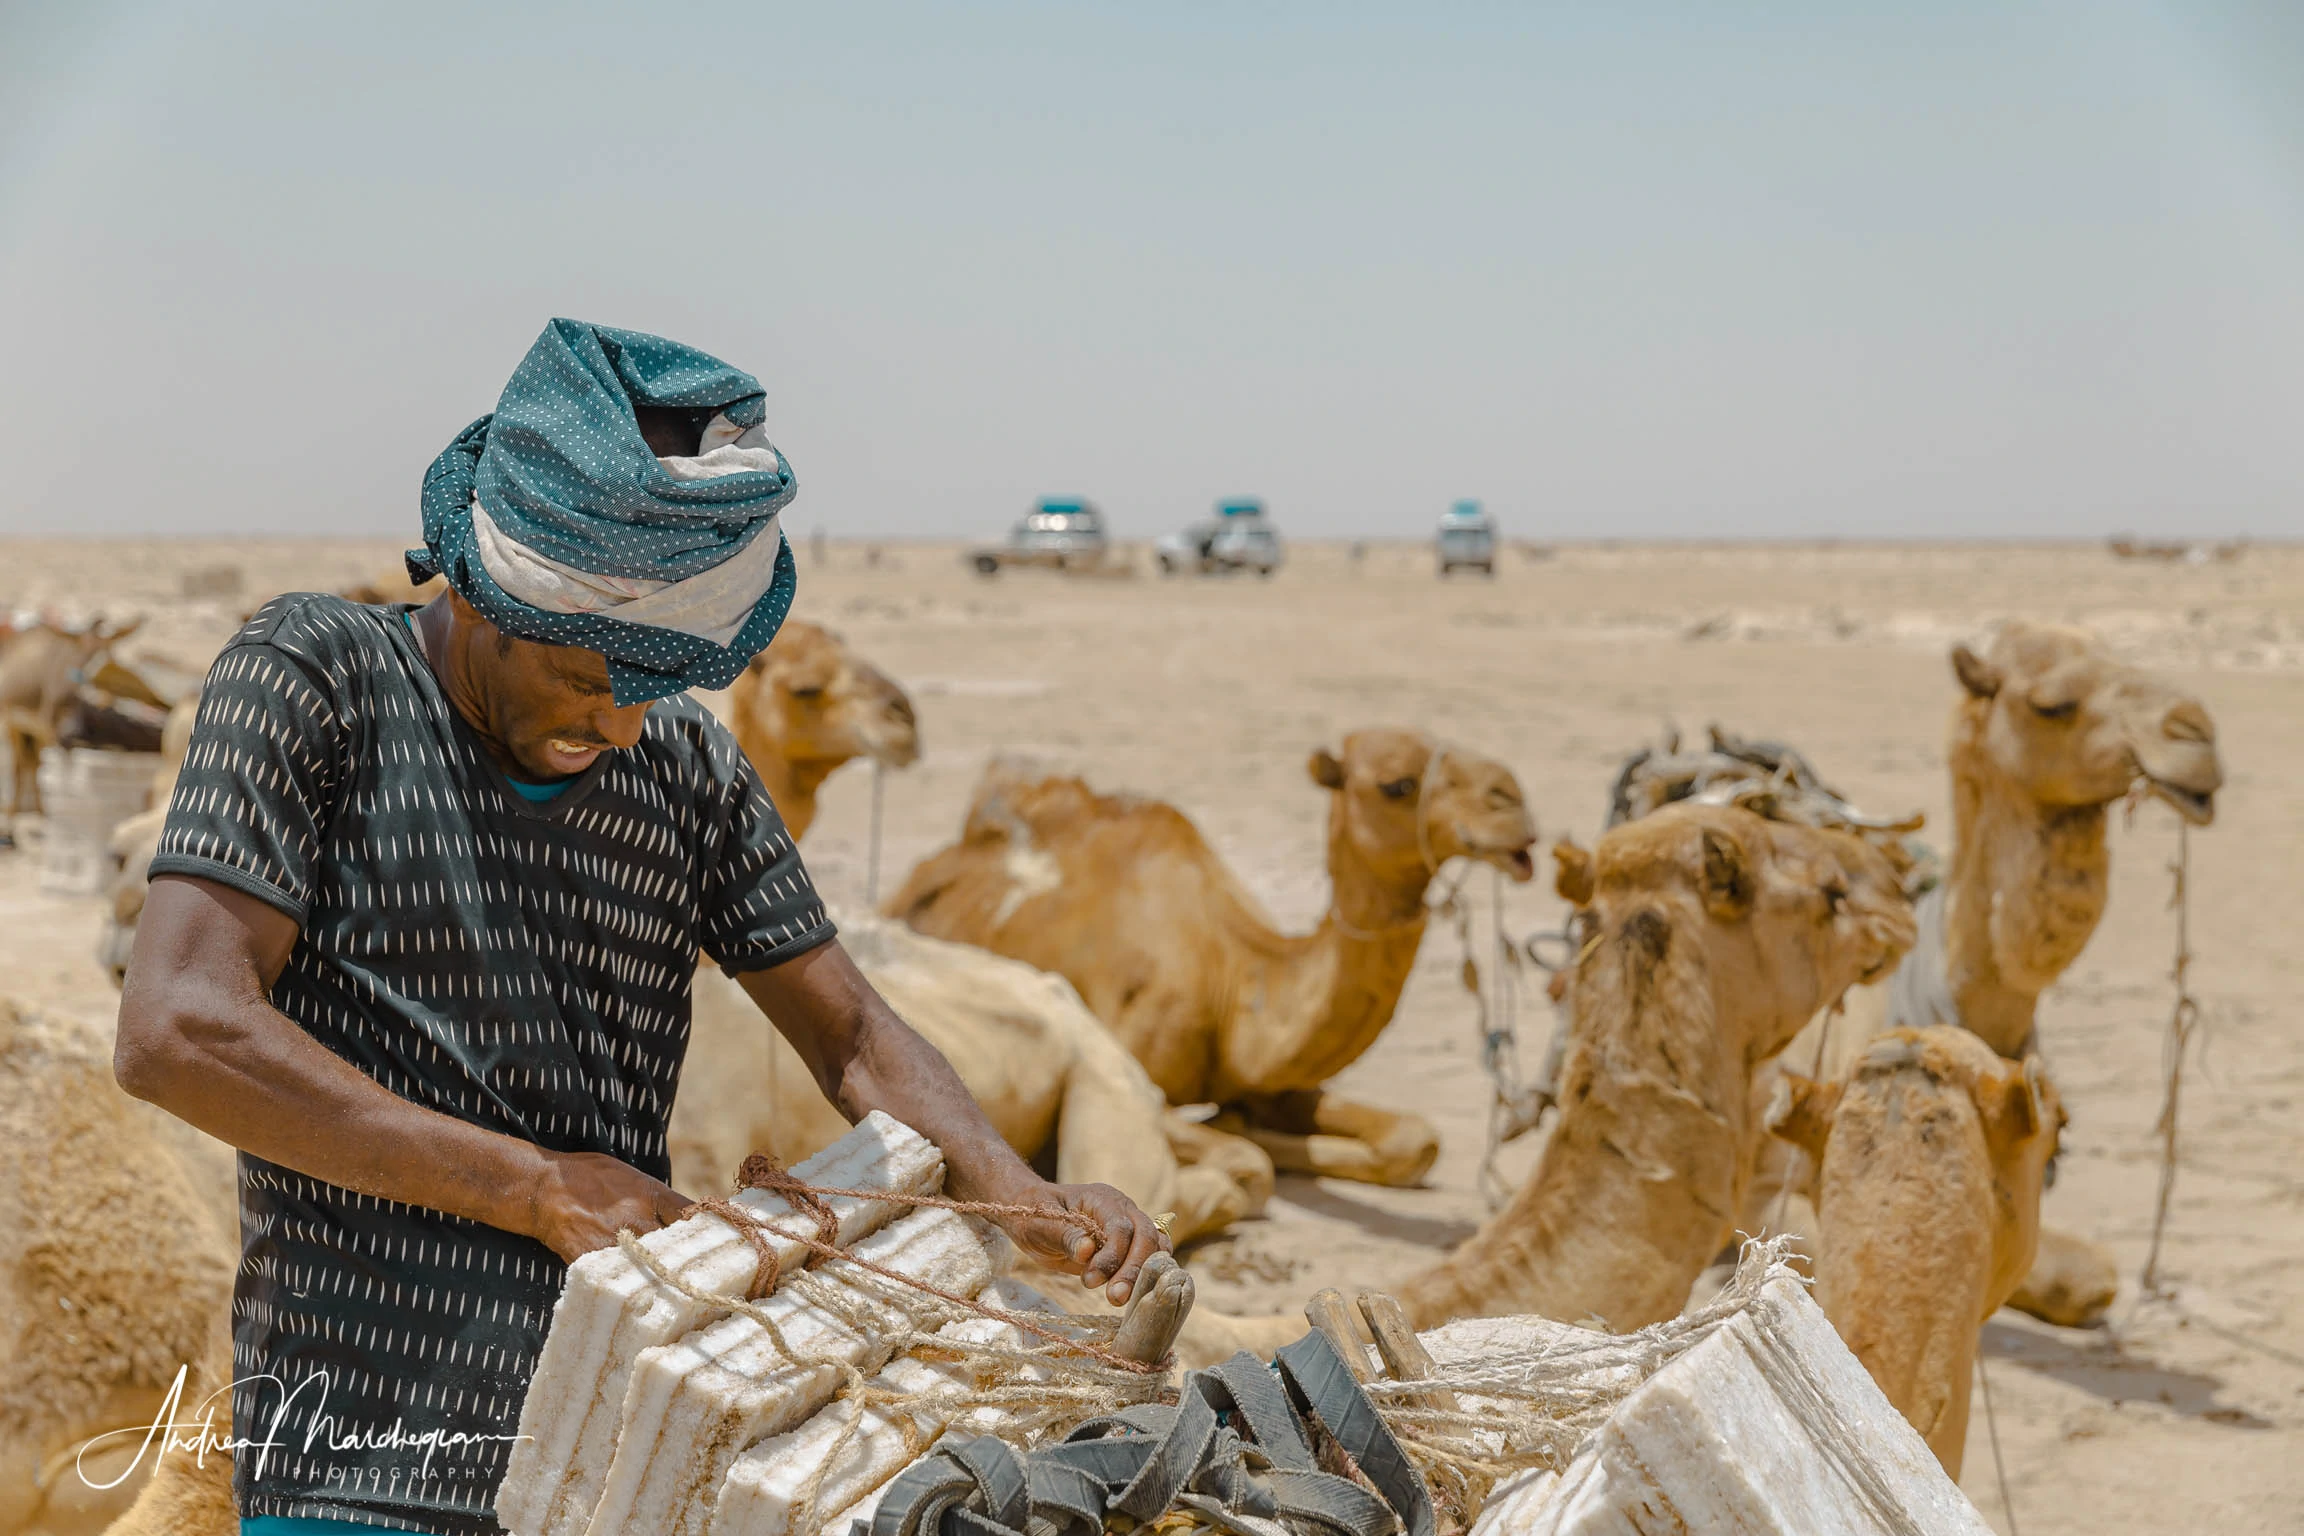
[548,708]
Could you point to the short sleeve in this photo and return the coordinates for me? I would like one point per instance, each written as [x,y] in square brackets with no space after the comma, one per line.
[760,908]
[253,799]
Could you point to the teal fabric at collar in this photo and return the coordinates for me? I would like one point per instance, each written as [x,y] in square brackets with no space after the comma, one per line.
[283,1525]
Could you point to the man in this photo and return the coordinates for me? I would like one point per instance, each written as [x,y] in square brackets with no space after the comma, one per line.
[422,925]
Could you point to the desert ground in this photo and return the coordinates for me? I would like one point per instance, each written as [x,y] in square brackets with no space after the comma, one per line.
[2182,1414]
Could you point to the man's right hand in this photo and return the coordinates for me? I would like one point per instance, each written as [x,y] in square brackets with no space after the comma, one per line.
[581,1200]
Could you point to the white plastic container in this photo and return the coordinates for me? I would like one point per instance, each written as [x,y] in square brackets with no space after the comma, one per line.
[84,794]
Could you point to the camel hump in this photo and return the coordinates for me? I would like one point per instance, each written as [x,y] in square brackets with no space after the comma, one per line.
[1026,800]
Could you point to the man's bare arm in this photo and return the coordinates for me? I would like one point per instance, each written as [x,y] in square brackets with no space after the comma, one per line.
[864,1058]
[199,1037]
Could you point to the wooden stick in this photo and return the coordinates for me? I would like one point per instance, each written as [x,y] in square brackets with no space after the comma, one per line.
[1326,1311]
[1404,1353]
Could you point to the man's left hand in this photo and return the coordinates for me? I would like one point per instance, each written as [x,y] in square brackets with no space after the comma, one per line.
[1064,1239]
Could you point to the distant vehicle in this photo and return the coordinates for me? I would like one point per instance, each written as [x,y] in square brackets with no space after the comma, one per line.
[1060,533]
[1466,540]
[1238,538]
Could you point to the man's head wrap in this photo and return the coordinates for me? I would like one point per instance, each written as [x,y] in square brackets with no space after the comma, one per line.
[555,519]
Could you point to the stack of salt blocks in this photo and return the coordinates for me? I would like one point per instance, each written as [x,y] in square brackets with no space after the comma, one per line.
[84,794]
[1768,1427]
[653,1411]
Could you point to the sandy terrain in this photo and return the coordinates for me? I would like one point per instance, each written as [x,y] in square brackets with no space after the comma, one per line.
[2178,1417]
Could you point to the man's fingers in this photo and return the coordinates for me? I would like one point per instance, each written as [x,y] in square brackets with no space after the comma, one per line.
[1149,1240]
[1119,1238]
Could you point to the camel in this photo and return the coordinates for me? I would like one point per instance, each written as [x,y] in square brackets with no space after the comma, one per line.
[808,704]
[1931,1155]
[42,668]
[1126,900]
[119,1271]
[1716,934]
[2051,730]
[1060,1088]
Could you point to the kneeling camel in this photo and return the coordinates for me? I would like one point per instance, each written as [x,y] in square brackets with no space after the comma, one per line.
[1125,899]
[1717,934]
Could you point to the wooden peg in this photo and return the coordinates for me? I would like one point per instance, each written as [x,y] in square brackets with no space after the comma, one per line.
[1404,1354]
[1326,1311]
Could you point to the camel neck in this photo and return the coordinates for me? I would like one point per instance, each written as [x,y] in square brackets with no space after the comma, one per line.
[1645,1170]
[2025,891]
[791,786]
[1321,999]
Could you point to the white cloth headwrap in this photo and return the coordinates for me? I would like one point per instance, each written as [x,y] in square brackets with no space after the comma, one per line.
[712,605]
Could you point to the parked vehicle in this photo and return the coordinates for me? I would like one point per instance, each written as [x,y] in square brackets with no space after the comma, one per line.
[1060,533]
[1238,538]
[1466,540]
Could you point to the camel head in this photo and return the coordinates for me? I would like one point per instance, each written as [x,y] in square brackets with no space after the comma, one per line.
[2069,725]
[817,702]
[1931,1157]
[1404,807]
[1786,917]
[1940,1107]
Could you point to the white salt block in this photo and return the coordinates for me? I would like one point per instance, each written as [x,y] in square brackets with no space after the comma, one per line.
[695,1405]
[1770,1427]
[610,1310]
[86,792]
[1009,1295]
[765,1485]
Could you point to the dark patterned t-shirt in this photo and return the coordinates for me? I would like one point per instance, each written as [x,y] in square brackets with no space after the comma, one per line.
[523,967]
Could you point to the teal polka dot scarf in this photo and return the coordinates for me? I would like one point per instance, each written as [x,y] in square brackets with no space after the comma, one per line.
[555,519]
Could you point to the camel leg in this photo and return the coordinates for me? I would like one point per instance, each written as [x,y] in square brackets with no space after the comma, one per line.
[23,775]
[2072,1282]
[1233,1158]
[1333,1138]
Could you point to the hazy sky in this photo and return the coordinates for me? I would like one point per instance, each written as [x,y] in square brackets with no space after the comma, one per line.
[1621,269]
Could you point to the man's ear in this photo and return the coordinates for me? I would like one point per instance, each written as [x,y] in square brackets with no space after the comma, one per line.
[1978,676]
[1800,1111]
[1572,878]
[1325,770]
[1728,884]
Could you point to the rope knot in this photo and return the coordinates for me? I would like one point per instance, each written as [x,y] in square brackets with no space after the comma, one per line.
[760,1171]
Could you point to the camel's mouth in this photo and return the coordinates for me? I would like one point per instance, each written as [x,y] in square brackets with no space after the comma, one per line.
[2194,806]
[896,754]
[893,742]
[1519,863]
